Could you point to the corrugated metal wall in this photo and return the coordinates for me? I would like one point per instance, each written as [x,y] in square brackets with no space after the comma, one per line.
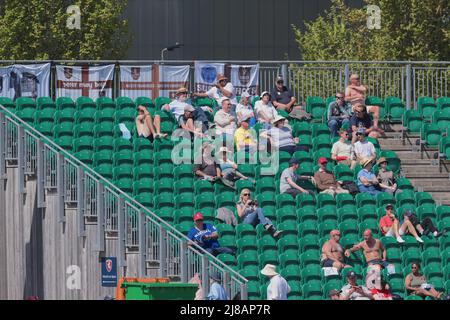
[220,29]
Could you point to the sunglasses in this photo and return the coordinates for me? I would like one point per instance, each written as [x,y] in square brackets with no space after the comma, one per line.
[341,98]
[246,194]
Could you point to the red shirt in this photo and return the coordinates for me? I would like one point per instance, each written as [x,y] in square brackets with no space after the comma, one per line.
[381,294]
[385,222]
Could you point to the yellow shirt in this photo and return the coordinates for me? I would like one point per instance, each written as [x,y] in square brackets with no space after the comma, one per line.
[242,135]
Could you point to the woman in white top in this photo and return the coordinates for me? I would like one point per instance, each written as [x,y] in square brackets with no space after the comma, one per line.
[265,111]
[244,109]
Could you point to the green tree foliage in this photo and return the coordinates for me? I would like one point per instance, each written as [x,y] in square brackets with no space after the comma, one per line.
[410,30]
[37,29]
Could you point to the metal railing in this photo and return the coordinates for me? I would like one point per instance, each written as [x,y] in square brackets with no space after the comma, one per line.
[405,79]
[115,213]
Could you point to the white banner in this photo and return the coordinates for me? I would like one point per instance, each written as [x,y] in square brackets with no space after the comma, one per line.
[136,81]
[4,82]
[171,78]
[206,75]
[245,77]
[87,81]
[31,80]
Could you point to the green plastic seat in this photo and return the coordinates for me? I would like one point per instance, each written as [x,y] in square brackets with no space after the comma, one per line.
[83,143]
[443,103]
[165,199]
[103,156]
[144,101]
[85,102]
[65,142]
[105,170]
[104,129]
[247,243]
[395,108]
[412,120]
[124,102]
[363,199]
[427,106]
[371,224]
[86,129]
[104,143]
[121,144]
[185,199]
[8,103]
[267,243]
[183,214]
[308,227]
[123,157]
[266,199]
[27,115]
[46,128]
[316,107]
[327,214]
[326,226]
[23,103]
[143,171]
[123,172]
[140,144]
[163,185]
[85,156]
[204,200]
[347,212]
[349,227]
[126,115]
[431,135]
[143,185]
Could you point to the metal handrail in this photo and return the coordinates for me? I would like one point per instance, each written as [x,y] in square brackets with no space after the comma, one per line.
[230,61]
[114,188]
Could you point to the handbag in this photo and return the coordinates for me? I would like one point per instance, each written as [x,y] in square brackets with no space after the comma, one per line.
[351,187]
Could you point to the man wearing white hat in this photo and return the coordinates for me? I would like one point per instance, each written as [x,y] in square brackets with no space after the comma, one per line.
[223,88]
[265,111]
[278,288]
[244,109]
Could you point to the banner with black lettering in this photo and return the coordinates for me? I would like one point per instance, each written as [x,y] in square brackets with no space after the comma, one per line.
[86,81]
[245,77]
[206,75]
[171,78]
[31,81]
[136,81]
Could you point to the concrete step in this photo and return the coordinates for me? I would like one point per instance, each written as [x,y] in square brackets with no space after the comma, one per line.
[421,169]
[425,183]
[416,162]
[407,154]
[414,174]
[436,188]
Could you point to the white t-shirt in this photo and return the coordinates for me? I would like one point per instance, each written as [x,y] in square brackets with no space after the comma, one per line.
[342,149]
[268,109]
[214,93]
[177,108]
[355,295]
[365,149]
[242,111]
[278,288]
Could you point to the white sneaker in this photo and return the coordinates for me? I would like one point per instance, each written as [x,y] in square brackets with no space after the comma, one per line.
[400,240]
[419,240]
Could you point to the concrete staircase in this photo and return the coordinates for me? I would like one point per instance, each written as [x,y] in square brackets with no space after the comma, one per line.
[423,173]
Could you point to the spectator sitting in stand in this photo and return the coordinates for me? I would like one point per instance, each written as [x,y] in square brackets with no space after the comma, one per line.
[146,126]
[265,111]
[223,88]
[333,252]
[205,235]
[352,291]
[423,227]
[282,97]
[205,165]
[363,148]
[249,212]
[360,119]
[228,169]
[416,284]
[289,177]
[342,150]
[339,113]
[367,181]
[325,180]
[244,138]
[386,177]
[244,110]
[371,248]
[280,137]
[355,93]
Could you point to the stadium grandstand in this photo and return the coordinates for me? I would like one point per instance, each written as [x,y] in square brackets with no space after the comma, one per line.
[83,161]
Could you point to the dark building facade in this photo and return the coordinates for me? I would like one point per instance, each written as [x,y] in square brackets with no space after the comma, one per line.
[220,29]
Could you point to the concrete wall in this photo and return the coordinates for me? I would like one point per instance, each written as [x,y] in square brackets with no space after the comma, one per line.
[36,249]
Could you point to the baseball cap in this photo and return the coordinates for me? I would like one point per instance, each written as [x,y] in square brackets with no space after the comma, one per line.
[264,93]
[323,160]
[361,131]
[198,216]
[188,107]
[351,274]
[389,205]
[279,78]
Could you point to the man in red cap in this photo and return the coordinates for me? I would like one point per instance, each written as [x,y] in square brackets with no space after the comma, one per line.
[325,180]
[205,235]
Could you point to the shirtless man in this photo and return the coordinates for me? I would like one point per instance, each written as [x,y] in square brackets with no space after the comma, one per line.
[333,252]
[371,248]
[355,93]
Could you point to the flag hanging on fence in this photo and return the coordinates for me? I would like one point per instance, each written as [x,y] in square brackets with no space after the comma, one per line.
[136,81]
[31,81]
[86,81]
[152,81]
[206,75]
[245,77]
[170,79]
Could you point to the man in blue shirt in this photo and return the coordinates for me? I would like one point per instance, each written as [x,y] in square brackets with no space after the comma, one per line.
[205,235]
[216,291]
[367,181]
